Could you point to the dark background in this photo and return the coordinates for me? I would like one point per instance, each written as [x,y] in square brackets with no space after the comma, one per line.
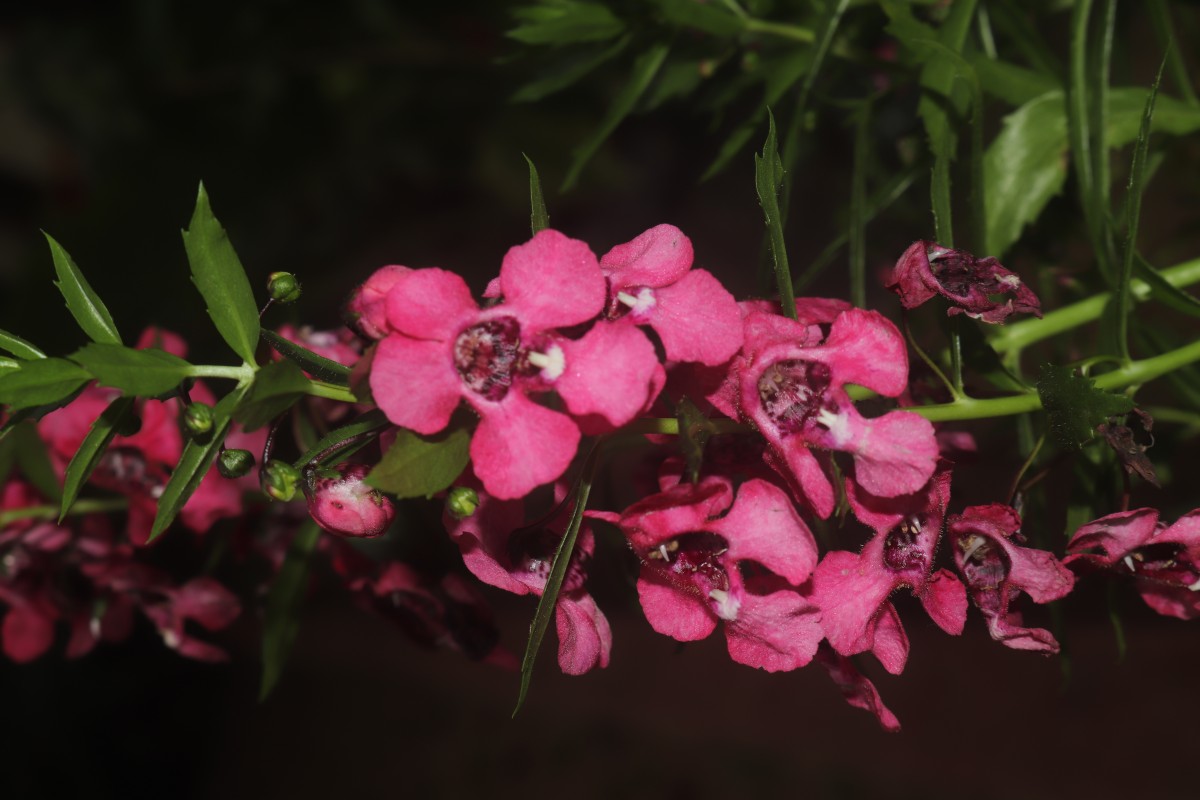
[335,140]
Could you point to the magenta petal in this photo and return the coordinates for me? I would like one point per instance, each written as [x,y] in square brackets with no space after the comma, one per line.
[865,348]
[1184,531]
[207,602]
[1012,634]
[553,281]
[430,304]
[215,498]
[775,632]
[697,319]
[1114,535]
[675,613]
[1037,573]
[584,637]
[850,594]
[1171,601]
[27,633]
[610,372]
[763,526]
[945,600]
[802,470]
[894,454]
[657,257]
[414,383]
[520,445]
[856,688]
[891,642]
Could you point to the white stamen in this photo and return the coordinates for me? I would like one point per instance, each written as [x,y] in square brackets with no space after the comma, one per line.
[838,425]
[1012,281]
[1195,587]
[975,543]
[1129,562]
[641,303]
[662,549]
[171,639]
[727,605]
[551,363]
[94,627]
[916,523]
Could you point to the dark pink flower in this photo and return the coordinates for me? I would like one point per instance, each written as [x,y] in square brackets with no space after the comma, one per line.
[792,389]
[446,349]
[367,309]
[996,571]
[855,687]
[501,549]
[970,284]
[707,557]
[651,282]
[853,589]
[343,504]
[1164,560]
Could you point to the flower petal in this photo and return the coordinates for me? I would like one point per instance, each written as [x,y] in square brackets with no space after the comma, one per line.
[584,637]
[520,445]
[775,632]
[552,281]
[657,257]
[850,595]
[856,688]
[945,600]
[697,319]
[865,348]
[675,613]
[609,372]
[763,526]
[890,643]
[1114,536]
[430,304]
[414,383]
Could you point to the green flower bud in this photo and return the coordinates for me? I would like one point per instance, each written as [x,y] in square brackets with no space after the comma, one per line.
[198,419]
[280,479]
[235,463]
[283,287]
[462,502]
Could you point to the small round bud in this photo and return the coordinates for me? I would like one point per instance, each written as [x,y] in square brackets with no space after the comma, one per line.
[342,503]
[235,463]
[198,419]
[462,502]
[283,287]
[280,479]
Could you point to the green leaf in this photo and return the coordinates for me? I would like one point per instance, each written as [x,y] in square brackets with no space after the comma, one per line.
[84,462]
[320,367]
[9,365]
[539,218]
[33,459]
[694,432]
[644,69]
[276,388]
[420,466]
[284,601]
[1075,406]
[1160,16]
[194,464]
[369,422]
[566,74]
[1014,84]
[145,373]
[558,570]
[711,18]
[559,22]
[40,382]
[19,347]
[222,281]
[768,178]
[83,303]
[1164,291]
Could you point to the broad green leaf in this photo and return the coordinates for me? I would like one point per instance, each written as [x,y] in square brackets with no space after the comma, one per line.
[33,459]
[712,18]
[558,570]
[768,178]
[284,601]
[40,382]
[222,281]
[369,422]
[1014,84]
[83,303]
[644,69]
[559,22]
[694,432]
[566,74]
[19,347]
[539,218]
[84,462]
[194,465]
[9,364]
[320,367]
[145,373]
[276,388]
[1075,406]
[420,466]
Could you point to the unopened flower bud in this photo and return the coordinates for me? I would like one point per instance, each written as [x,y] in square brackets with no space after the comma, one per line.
[198,419]
[283,287]
[343,504]
[280,479]
[235,463]
[462,501]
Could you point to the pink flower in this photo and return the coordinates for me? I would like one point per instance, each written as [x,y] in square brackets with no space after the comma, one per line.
[792,389]
[650,282]
[344,505]
[853,589]
[1164,560]
[969,283]
[855,687]
[701,565]
[502,550]
[996,571]
[367,309]
[446,349]
[339,345]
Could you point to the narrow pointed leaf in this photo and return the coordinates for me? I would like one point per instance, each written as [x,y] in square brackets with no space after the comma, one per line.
[19,347]
[320,367]
[565,22]
[539,218]
[564,75]
[284,602]
[84,462]
[768,178]
[222,281]
[694,432]
[41,382]
[420,466]
[145,373]
[1164,291]
[373,420]
[33,459]
[711,18]
[83,303]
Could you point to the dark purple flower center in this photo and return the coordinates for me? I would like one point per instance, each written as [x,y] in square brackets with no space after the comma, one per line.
[984,565]
[793,393]
[486,356]
[125,470]
[958,271]
[531,550]
[691,561]
[1164,563]
[903,548]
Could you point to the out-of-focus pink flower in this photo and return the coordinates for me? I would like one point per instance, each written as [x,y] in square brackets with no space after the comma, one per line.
[344,505]
[856,688]
[970,284]
[996,571]
[339,345]
[367,309]
[708,557]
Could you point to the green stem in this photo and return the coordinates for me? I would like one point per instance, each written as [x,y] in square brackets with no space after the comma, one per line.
[51,512]
[242,374]
[781,29]
[331,391]
[956,360]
